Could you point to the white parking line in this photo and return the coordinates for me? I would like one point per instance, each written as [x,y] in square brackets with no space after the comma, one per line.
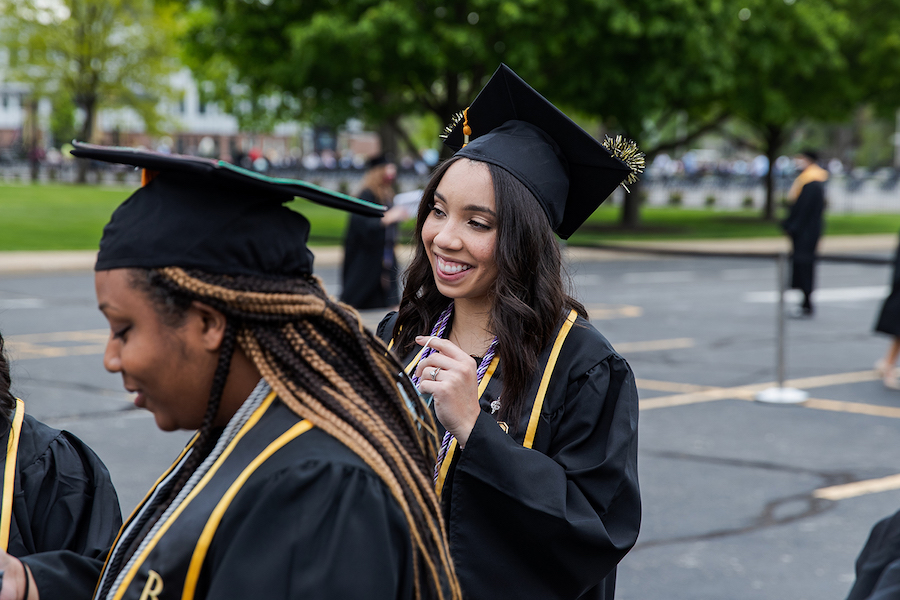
[847,294]
[14,303]
[651,345]
[660,277]
[746,274]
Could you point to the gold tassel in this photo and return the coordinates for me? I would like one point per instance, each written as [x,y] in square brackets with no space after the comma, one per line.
[467,131]
[147,176]
[629,153]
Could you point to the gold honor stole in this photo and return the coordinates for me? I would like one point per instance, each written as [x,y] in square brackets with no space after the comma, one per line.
[9,473]
[168,568]
[536,407]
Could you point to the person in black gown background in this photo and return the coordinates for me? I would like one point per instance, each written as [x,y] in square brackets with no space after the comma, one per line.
[309,475]
[56,493]
[889,322]
[878,564]
[804,224]
[537,472]
[370,274]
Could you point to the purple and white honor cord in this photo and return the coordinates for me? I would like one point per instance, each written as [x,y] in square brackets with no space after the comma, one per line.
[438,330]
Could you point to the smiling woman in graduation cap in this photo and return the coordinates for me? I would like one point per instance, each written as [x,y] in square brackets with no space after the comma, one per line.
[308,476]
[537,473]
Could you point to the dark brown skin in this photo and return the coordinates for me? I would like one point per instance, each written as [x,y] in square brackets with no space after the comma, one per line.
[169,368]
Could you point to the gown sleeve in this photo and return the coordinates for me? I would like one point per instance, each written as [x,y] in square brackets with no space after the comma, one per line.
[70,499]
[67,513]
[524,524]
[385,328]
[878,565]
[317,531]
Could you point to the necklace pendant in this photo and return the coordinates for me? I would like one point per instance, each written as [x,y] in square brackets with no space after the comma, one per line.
[495,406]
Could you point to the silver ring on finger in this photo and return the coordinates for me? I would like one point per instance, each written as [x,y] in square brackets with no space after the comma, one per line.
[434,373]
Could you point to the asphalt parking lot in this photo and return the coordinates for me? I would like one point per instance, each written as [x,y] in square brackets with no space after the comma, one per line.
[742,500]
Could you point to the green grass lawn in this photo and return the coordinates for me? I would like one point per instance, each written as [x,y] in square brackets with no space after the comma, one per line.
[71,217]
[665,223]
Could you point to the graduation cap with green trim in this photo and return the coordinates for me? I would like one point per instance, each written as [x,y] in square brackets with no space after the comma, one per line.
[570,173]
[198,213]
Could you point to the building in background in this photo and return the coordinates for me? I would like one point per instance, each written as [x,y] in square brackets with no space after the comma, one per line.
[192,126]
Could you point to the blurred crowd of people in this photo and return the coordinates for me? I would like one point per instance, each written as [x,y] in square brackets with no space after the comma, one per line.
[696,166]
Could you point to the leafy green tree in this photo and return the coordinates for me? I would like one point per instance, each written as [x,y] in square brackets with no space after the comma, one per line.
[93,53]
[873,52]
[791,64]
[663,72]
[325,61]
[638,64]
[658,71]
[62,121]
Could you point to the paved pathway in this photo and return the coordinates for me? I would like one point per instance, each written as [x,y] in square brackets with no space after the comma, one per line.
[330,256]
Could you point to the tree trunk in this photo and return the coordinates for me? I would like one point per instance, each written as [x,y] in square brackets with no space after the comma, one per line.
[404,137]
[774,138]
[631,207]
[388,136]
[34,150]
[89,106]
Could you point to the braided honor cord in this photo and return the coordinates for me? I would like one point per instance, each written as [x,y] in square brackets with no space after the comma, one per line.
[438,331]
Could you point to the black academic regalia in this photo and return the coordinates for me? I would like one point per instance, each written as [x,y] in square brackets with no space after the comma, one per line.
[63,498]
[63,501]
[370,274]
[550,508]
[889,317]
[878,565]
[285,512]
[804,226]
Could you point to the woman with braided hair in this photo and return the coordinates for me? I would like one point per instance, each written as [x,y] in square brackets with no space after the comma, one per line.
[309,475]
[537,472]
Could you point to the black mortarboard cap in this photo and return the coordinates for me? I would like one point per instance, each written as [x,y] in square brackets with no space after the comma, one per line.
[377,161]
[203,214]
[569,172]
[810,154]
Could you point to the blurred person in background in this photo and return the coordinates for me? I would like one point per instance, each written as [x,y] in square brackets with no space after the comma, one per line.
[889,323]
[804,224]
[370,274]
[878,564]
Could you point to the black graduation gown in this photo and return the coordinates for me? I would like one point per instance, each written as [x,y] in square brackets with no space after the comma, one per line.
[878,565]
[889,317]
[370,273]
[61,496]
[549,509]
[285,512]
[804,226]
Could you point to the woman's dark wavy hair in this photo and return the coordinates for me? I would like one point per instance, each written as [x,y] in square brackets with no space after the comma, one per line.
[7,400]
[326,367]
[528,299]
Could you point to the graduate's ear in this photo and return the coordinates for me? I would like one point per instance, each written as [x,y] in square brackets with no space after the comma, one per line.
[211,324]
